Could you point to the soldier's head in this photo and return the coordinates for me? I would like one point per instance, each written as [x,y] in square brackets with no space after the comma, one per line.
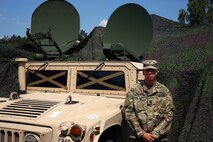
[150,70]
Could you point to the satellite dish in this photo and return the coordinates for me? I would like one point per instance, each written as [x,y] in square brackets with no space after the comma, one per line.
[128,33]
[55,27]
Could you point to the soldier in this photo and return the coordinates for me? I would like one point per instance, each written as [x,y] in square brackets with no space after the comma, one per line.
[149,107]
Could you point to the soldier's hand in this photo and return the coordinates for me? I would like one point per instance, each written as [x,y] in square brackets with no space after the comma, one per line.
[148,137]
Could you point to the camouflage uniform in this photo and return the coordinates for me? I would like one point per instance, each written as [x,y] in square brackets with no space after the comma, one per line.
[149,109]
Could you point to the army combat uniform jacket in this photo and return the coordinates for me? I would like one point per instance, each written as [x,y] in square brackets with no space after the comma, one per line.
[149,109]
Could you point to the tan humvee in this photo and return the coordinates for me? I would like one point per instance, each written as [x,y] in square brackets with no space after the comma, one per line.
[67,101]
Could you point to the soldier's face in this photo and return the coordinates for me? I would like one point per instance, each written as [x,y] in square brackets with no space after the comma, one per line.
[150,74]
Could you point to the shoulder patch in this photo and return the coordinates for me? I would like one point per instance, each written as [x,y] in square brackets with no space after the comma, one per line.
[162,88]
[137,88]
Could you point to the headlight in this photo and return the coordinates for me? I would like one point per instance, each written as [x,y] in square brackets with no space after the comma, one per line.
[31,138]
[76,133]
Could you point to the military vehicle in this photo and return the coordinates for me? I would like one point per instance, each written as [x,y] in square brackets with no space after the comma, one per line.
[73,101]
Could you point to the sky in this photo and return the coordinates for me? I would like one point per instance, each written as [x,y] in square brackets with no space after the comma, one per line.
[15,15]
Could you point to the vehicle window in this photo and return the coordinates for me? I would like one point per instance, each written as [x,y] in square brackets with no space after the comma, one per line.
[47,78]
[101,80]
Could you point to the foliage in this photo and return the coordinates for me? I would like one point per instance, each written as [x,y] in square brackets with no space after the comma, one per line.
[11,47]
[183,15]
[198,12]
[210,14]
[82,35]
[14,40]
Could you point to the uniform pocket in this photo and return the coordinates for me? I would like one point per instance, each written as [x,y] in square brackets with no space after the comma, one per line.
[159,106]
[140,105]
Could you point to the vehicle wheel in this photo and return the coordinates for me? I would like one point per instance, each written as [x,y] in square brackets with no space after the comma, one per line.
[111,135]
[109,141]
[116,137]
[113,140]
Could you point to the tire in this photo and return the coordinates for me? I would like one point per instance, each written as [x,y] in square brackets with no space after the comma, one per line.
[109,141]
[118,139]
[111,136]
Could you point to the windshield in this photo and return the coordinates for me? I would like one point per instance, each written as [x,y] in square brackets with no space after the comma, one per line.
[47,78]
[101,80]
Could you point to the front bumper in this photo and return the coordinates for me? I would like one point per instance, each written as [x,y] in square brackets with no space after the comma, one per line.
[12,132]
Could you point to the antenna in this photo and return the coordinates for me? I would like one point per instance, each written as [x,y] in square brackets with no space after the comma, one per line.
[128,33]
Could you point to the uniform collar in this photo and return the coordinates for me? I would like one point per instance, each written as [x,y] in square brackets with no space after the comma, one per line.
[150,90]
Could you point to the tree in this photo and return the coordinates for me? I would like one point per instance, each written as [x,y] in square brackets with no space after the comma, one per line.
[198,12]
[82,35]
[209,14]
[183,15]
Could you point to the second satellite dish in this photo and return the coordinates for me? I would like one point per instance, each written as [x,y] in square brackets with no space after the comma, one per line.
[128,33]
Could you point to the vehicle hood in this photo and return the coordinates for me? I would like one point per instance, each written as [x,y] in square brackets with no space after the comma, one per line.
[50,109]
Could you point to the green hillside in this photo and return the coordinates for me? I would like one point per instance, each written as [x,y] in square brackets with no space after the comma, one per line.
[185,56]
